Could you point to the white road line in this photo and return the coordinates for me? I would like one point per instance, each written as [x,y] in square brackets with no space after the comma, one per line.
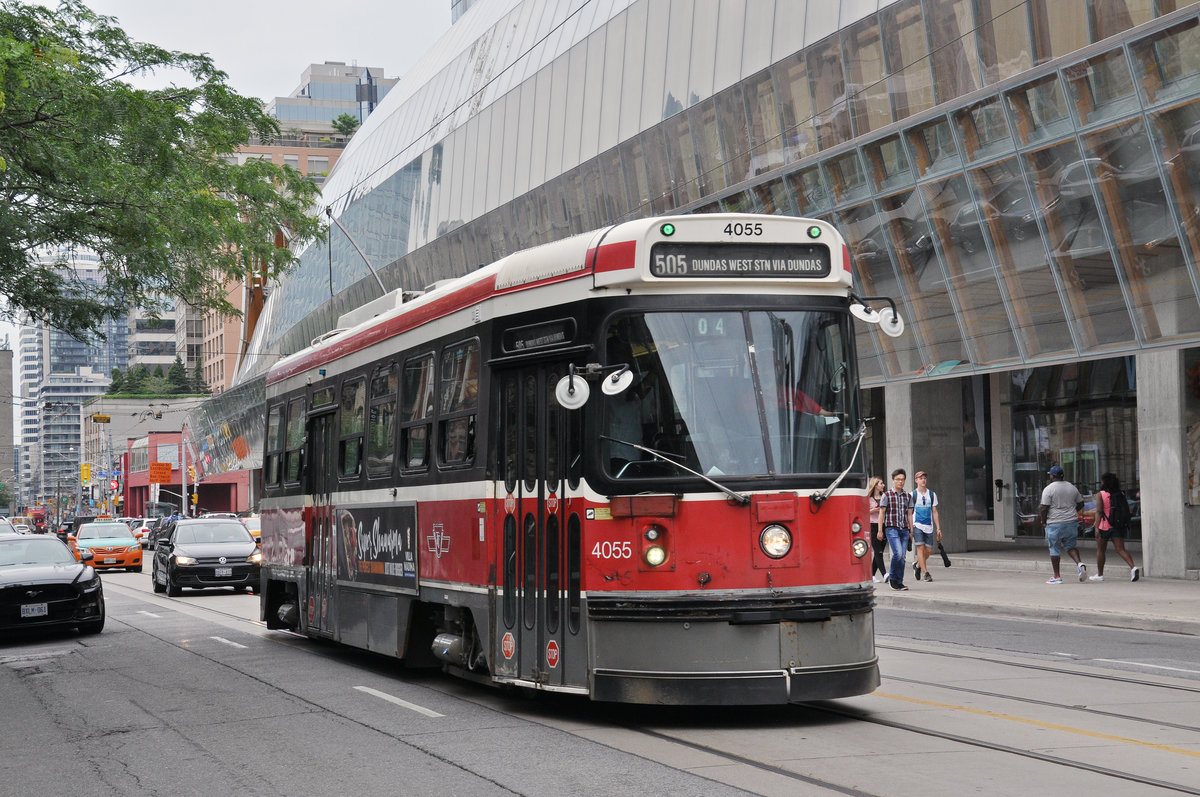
[1155,666]
[149,614]
[1056,653]
[227,642]
[393,699]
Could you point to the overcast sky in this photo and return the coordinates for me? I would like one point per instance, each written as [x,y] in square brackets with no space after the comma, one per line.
[264,46]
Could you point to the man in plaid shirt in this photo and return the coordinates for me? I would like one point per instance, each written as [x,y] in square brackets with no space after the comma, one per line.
[894,525]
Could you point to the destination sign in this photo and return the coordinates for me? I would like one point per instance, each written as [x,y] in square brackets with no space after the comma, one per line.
[796,260]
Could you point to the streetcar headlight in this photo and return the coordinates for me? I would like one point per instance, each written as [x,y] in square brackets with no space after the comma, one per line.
[655,555]
[855,527]
[775,541]
[859,547]
[653,533]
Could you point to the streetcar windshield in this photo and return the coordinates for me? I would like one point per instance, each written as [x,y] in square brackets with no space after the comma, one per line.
[730,394]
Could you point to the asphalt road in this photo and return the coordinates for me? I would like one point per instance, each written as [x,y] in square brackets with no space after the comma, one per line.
[193,696]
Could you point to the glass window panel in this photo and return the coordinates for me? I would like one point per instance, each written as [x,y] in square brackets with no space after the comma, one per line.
[972,279]
[654,78]
[1005,43]
[732,127]
[868,234]
[633,60]
[703,121]
[539,90]
[766,143]
[870,107]
[1039,110]
[952,42]
[934,148]
[522,138]
[906,51]
[811,190]
[757,32]
[553,160]
[616,200]
[828,86]
[658,170]
[353,407]
[685,173]
[847,177]
[727,57]
[1168,63]
[888,164]
[572,108]
[1059,28]
[596,214]
[633,165]
[772,197]
[678,40]
[1079,250]
[591,88]
[821,21]
[608,116]
[790,81]
[491,116]
[1102,88]
[983,130]
[1149,251]
[787,29]
[704,46]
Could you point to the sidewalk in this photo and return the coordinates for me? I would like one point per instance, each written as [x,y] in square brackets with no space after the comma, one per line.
[1011,582]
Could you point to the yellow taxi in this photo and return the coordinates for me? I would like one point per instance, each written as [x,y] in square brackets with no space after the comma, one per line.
[111,542]
[253,524]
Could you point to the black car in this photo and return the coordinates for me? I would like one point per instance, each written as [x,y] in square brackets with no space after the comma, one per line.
[205,552]
[42,585]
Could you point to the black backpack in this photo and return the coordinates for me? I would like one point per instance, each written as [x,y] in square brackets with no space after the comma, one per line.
[1118,510]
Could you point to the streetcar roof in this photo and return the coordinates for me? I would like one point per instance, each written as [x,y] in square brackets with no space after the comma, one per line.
[609,254]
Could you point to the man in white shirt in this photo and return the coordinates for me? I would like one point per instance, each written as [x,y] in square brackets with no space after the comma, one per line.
[1059,514]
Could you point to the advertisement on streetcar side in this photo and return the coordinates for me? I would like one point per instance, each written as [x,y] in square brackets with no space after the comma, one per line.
[376,545]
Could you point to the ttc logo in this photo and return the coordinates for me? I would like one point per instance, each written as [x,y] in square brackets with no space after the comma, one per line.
[439,541]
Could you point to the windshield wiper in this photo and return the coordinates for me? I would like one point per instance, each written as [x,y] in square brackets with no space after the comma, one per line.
[741,499]
[819,498]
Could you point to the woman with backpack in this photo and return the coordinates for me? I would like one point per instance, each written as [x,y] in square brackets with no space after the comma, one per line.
[1112,511]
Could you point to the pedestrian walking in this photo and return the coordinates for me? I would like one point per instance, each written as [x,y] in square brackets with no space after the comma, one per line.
[875,491]
[926,524]
[897,511]
[1112,511]
[1059,513]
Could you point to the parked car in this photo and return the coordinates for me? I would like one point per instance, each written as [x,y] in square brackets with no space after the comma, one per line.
[43,586]
[112,544]
[205,552]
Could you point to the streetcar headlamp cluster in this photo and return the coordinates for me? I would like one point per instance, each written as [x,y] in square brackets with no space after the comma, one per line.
[652,533]
[775,541]
[655,555]
[859,548]
[855,527]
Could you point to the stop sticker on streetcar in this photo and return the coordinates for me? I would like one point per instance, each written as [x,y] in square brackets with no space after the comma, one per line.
[508,645]
[740,260]
[552,654]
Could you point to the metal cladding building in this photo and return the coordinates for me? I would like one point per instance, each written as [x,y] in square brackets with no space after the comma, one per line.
[1021,176]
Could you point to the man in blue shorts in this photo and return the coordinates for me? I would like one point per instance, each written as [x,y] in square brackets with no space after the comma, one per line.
[1059,514]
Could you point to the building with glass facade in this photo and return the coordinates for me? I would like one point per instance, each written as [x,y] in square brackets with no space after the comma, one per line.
[1020,176]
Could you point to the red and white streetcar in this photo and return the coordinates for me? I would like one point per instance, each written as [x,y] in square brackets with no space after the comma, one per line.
[625,465]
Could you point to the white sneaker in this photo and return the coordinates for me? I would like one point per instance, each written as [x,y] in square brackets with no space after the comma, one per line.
[1082,568]
[1135,574]
[1096,578]
[875,577]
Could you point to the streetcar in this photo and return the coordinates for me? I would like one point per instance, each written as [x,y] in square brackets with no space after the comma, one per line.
[626,465]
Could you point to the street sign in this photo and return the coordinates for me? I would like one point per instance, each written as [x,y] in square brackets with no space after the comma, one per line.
[160,472]
[96,418]
[112,485]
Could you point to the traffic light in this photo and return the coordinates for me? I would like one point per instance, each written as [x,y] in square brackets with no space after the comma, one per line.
[85,473]
[195,498]
[192,473]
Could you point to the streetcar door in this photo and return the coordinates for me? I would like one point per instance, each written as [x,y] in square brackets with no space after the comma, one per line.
[320,566]
[537,636]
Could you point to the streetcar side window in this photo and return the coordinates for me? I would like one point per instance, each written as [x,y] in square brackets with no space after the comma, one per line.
[416,412]
[381,438]
[459,398]
[294,458]
[350,428]
[272,462]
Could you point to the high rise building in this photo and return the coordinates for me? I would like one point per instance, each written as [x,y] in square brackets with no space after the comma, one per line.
[327,91]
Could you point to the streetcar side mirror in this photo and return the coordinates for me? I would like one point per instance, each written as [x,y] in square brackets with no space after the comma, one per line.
[888,319]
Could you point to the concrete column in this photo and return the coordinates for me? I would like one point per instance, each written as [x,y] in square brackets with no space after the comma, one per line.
[1170,528]
[925,432]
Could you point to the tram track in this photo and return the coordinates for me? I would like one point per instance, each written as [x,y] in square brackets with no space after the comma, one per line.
[551,712]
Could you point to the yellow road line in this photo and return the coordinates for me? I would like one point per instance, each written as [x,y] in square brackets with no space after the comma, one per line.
[1038,723]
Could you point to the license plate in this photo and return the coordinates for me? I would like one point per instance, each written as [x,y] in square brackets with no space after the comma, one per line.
[34,610]
[110,560]
[223,572]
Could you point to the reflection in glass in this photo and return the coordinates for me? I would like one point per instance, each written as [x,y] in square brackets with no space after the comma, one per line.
[1040,110]
[1102,88]
[1168,63]
[983,129]
[907,49]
